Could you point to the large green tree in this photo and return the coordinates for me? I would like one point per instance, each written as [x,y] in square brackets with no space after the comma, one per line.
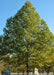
[20,32]
[27,36]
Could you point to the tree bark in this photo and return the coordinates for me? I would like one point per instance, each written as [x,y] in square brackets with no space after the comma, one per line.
[33,71]
[27,61]
[27,69]
[27,65]
[23,72]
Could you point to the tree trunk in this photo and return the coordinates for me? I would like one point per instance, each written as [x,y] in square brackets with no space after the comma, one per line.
[27,69]
[27,65]
[23,72]
[33,71]
[27,61]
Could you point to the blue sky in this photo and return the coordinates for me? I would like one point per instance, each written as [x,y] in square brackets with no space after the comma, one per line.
[9,8]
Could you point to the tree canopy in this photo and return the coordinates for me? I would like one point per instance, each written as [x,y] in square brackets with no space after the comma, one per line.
[28,36]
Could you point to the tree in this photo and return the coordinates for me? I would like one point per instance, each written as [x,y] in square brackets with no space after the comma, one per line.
[27,36]
[20,32]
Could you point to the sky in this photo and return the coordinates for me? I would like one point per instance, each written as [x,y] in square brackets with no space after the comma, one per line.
[9,8]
